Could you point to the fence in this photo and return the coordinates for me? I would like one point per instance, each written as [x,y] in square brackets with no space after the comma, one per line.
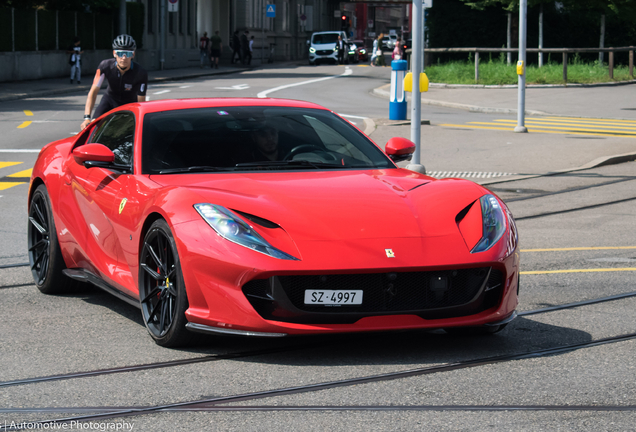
[44,30]
[563,51]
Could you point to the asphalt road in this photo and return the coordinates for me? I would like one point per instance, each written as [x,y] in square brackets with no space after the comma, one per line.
[567,369]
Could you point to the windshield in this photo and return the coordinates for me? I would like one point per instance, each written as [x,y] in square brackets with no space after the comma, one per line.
[254,139]
[325,38]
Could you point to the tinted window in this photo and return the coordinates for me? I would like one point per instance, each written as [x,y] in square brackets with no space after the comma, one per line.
[117,133]
[227,137]
[325,38]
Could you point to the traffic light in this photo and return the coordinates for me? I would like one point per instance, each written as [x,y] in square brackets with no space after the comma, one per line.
[344,24]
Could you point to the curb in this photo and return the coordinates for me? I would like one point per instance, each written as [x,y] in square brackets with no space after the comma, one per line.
[85,88]
[381,92]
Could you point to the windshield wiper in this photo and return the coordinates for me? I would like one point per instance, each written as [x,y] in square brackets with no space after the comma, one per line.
[290,164]
[200,168]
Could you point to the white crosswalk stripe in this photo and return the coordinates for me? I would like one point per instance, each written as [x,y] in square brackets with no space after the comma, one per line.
[466,174]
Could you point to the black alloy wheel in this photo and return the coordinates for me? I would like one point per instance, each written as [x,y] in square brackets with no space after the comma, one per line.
[45,256]
[161,288]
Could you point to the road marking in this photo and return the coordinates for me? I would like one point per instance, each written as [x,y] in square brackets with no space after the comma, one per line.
[263,94]
[24,124]
[20,151]
[161,92]
[188,86]
[7,185]
[8,164]
[466,174]
[29,113]
[579,249]
[590,118]
[235,87]
[568,127]
[26,173]
[596,270]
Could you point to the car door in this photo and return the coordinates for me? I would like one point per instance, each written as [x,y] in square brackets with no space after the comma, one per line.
[95,191]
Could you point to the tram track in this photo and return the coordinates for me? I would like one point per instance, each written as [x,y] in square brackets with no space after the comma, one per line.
[210,404]
[245,354]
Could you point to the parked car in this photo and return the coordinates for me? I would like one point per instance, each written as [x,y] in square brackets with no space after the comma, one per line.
[265,217]
[387,43]
[322,47]
[361,52]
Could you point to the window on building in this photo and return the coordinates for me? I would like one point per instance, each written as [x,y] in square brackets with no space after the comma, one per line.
[151,16]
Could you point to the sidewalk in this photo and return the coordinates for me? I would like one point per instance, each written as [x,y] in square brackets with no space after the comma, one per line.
[54,86]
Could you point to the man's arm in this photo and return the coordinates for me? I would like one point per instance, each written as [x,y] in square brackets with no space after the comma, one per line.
[92,96]
[141,98]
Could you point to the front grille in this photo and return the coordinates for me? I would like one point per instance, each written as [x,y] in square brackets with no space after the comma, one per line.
[433,294]
[324,52]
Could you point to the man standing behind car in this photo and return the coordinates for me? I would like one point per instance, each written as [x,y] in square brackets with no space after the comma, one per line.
[340,45]
[127,81]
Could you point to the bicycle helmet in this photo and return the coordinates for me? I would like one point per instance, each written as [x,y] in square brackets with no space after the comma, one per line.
[124,42]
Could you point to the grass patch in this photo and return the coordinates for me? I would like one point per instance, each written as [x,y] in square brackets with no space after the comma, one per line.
[497,72]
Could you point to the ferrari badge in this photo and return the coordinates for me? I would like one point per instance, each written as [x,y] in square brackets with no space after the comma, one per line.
[122,204]
[389,252]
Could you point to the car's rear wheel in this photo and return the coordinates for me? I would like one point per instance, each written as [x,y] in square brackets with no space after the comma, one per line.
[45,256]
[161,288]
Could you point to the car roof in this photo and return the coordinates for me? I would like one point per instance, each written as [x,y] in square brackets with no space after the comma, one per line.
[179,104]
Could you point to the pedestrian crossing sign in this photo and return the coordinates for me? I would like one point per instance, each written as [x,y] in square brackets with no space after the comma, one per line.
[270,11]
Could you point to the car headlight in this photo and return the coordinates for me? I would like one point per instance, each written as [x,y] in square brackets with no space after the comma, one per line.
[232,228]
[312,50]
[482,225]
[363,51]
[335,48]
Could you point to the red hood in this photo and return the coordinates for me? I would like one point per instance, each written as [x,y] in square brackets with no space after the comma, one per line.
[338,205]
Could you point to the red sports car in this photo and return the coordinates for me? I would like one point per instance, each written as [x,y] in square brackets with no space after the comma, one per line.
[266,217]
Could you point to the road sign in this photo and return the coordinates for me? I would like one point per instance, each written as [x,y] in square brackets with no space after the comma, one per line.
[173,5]
[270,11]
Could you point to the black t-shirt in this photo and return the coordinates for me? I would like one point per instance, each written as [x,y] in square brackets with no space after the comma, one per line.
[122,88]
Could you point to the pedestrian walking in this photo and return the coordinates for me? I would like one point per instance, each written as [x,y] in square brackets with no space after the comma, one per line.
[340,45]
[127,80]
[245,46]
[204,43]
[236,47]
[251,50]
[75,51]
[378,56]
[397,54]
[216,47]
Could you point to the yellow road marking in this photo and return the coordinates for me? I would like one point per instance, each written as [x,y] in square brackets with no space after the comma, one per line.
[588,118]
[564,128]
[27,112]
[575,122]
[24,124]
[8,164]
[541,123]
[25,173]
[579,249]
[596,270]
[7,185]
[537,130]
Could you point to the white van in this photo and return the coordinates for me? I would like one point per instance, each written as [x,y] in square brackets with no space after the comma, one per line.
[322,47]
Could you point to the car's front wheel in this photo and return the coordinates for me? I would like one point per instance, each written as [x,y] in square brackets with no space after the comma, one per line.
[45,256]
[161,288]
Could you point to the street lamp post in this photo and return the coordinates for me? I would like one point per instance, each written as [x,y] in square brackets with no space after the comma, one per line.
[521,68]
[416,98]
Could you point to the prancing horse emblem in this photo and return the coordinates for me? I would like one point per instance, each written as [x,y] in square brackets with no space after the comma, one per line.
[122,204]
[389,253]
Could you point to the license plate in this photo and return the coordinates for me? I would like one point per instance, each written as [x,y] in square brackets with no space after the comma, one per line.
[333,297]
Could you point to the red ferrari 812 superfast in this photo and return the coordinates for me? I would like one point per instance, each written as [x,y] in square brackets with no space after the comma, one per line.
[266,217]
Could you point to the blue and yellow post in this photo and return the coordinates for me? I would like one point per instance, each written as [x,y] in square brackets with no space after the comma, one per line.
[397,100]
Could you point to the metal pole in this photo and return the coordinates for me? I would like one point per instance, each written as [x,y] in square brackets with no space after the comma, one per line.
[162,35]
[541,35]
[122,16]
[416,98]
[602,42]
[521,87]
[509,39]
[36,31]
[262,34]
[57,30]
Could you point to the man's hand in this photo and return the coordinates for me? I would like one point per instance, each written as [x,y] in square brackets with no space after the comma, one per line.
[85,123]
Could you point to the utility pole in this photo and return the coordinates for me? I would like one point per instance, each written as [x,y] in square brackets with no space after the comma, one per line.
[521,68]
[162,33]
[416,98]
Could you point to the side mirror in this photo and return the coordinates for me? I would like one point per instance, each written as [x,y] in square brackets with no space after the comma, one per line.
[399,149]
[98,155]
[93,153]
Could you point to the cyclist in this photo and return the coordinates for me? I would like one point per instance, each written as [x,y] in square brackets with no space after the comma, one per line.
[127,81]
